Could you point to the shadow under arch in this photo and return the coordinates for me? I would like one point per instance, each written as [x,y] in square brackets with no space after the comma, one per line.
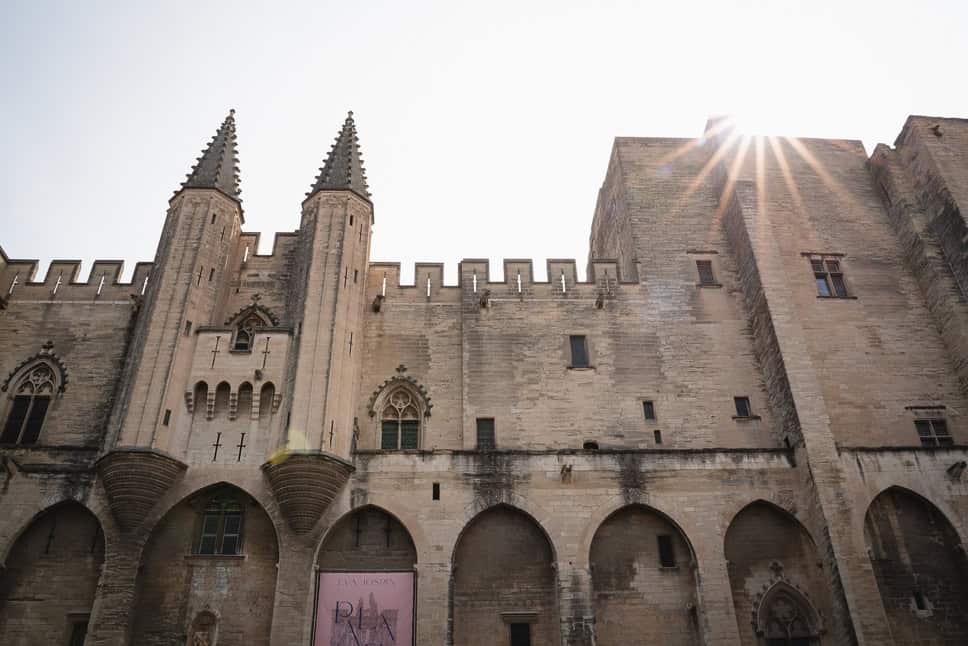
[503,560]
[943,510]
[48,587]
[213,548]
[645,586]
[337,533]
[181,495]
[24,522]
[614,506]
[920,566]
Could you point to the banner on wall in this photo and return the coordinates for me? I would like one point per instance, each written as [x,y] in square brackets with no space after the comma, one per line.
[364,609]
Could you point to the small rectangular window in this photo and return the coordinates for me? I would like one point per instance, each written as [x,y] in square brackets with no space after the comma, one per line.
[521,634]
[705,269]
[211,274]
[188,328]
[829,277]
[648,408]
[743,407]
[436,491]
[658,436]
[167,417]
[351,220]
[356,274]
[933,432]
[667,552]
[579,351]
[485,434]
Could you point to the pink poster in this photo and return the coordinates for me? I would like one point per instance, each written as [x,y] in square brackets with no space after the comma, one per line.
[364,609]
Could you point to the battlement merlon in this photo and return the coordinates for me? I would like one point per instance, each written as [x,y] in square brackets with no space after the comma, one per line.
[474,276]
[17,280]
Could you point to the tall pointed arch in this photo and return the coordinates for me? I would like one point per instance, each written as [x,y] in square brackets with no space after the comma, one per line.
[920,566]
[31,389]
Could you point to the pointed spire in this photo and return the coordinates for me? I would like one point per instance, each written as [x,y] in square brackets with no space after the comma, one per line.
[343,168]
[218,167]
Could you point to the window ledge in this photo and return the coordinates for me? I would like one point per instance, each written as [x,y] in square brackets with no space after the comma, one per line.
[237,351]
[668,568]
[837,298]
[746,418]
[581,367]
[228,558]
[713,285]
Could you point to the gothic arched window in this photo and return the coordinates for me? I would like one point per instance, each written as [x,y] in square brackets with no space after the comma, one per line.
[31,400]
[245,332]
[221,527]
[788,622]
[400,428]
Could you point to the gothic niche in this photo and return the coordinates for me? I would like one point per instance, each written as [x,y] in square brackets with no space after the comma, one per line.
[786,618]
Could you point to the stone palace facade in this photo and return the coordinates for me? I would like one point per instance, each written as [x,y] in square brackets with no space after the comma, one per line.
[745,426]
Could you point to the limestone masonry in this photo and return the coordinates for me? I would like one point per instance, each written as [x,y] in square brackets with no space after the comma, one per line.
[748,426]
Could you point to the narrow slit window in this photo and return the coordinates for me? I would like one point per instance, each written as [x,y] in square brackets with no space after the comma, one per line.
[667,552]
[648,409]
[435,491]
[743,407]
[705,269]
[579,351]
[188,328]
[658,436]
[356,275]
[485,434]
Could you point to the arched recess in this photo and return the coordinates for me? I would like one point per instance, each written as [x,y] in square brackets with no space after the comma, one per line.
[920,567]
[643,580]
[399,410]
[50,580]
[767,546]
[214,552]
[367,538]
[504,582]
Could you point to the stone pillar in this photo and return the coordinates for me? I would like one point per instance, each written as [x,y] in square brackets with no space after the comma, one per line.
[714,606]
[576,610]
[292,607]
[113,611]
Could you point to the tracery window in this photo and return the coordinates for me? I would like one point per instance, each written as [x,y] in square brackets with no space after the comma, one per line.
[221,527]
[245,332]
[31,401]
[400,427]
[788,622]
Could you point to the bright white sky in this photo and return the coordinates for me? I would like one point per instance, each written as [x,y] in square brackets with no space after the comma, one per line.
[485,126]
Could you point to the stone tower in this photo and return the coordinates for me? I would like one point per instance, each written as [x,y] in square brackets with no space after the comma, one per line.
[327,299]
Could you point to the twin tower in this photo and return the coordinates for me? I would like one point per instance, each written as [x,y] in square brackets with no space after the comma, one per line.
[269,375]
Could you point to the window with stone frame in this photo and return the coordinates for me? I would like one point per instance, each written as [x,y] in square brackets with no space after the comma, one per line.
[245,332]
[933,432]
[29,404]
[829,276]
[220,529]
[400,421]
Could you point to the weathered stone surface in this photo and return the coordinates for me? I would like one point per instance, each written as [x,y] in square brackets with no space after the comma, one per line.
[135,479]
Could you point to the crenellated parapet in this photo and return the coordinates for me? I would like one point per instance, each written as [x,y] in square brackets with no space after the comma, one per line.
[474,277]
[63,281]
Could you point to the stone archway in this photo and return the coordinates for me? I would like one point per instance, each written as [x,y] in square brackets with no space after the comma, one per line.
[643,580]
[214,554]
[50,580]
[920,567]
[767,549]
[504,582]
[368,538]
